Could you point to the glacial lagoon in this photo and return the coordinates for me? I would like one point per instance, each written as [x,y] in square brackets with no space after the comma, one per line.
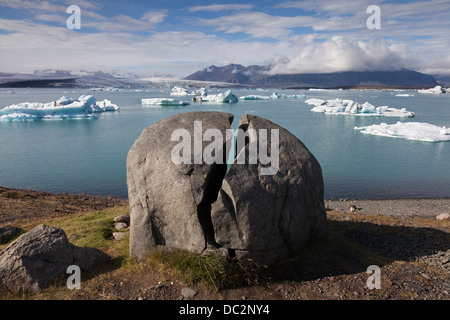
[88,155]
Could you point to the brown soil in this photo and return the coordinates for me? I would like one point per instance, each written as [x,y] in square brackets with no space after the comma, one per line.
[413,253]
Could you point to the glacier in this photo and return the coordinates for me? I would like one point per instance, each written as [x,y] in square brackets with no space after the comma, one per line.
[350,107]
[84,107]
[418,131]
[164,102]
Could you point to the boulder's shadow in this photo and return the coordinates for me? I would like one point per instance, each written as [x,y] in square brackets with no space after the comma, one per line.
[350,247]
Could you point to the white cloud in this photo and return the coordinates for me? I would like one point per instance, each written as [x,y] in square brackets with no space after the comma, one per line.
[123,23]
[32,5]
[340,54]
[258,24]
[221,7]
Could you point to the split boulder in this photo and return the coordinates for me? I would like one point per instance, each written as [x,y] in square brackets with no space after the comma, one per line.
[252,210]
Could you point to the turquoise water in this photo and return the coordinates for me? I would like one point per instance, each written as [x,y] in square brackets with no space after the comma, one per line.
[89,156]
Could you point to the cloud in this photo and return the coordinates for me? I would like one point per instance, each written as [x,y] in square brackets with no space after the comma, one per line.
[258,24]
[221,7]
[340,54]
[32,5]
[124,23]
[38,46]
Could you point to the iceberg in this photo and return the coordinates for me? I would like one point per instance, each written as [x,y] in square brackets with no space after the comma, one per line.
[404,95]
[164,102]
[201,92]
[435,90]
[226,96]
[287,96]
[418,131]
[64,108]
[254,97]
[350,107]
[179,91]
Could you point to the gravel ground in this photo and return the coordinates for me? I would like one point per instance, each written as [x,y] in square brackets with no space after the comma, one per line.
[401,236]
[393,207]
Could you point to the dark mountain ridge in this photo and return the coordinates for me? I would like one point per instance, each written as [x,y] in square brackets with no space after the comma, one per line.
[260,77]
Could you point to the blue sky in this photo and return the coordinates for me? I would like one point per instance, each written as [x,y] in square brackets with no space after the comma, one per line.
[180,37]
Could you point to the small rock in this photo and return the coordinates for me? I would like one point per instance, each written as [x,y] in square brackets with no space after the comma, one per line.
[125,218]
[443,216]
[158,286]
[120,225]
[73,236]
[417,288]
[7,233]
[188,293]
[426,276]
[119,235]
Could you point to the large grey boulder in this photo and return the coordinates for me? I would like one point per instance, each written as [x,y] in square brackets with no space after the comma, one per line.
[34,260]
[263,209]
[170,202]
[265,217]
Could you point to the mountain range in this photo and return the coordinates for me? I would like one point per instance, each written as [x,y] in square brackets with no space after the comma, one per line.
[259,76]
[232,75]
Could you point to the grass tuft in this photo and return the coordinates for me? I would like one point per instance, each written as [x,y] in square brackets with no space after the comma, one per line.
[216,272]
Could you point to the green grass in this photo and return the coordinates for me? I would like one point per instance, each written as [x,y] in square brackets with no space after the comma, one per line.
[213,272]
[95,229]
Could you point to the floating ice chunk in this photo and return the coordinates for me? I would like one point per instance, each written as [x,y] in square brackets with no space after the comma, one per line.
[105,105]
[179,91]
[18,116]
[164,102]
[64,108]
[350,107]
[435,90]
[254,97]
[315,102]
[201,92]
[287,96]
[418,131]
[404,95]
[226,96]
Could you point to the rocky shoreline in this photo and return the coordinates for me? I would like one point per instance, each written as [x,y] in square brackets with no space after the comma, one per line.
[401,236]
[421,207]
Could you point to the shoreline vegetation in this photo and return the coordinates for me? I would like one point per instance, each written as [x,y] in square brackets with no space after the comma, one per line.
[400,236]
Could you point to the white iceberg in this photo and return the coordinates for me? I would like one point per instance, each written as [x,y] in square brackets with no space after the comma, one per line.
[226,96]
[164,102]
[418,131]
[179,91]
[201,92]
[287,96]
[404,95]
[254,97]
[435,90]
[64,108]
[350,107]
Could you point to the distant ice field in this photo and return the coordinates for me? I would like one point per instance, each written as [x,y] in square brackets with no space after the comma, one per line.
[88,155]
